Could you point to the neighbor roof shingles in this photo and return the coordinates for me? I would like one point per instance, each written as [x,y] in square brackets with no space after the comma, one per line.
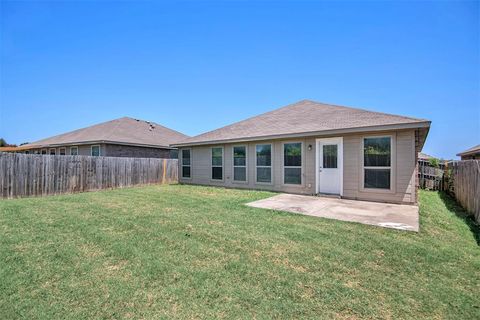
[124,130]
[302,117]
[471,150]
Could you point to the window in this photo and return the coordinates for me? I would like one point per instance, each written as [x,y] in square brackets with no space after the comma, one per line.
[292,163]
[52,152]
[62,151]
[240,163]
[377,154]
[217,163]
[44,151]
[73,151]
[330,156]
[95,151]
[186,163]
[264,163]
[27,152]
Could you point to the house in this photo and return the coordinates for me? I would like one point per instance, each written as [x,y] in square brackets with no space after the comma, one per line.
[470,154]
[19,149]
[124,137]
[311,148]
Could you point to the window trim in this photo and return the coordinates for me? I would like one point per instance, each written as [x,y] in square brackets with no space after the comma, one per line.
[302,180]
[222,166]
[41,152]
[245,166]
[50,152]
[393,164]
[71,151]
[182,165]
[99,150]
[271,164]
[60,151]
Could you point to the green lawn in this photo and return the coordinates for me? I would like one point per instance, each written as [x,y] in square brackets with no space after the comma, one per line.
[197,252]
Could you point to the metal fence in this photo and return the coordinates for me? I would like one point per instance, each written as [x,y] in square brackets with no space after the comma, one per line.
[23,175]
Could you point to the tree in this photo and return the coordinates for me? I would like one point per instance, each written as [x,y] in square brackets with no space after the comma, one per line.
[434,162]
[3,143]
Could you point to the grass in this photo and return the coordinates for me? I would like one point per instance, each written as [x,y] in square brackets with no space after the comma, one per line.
[197,252]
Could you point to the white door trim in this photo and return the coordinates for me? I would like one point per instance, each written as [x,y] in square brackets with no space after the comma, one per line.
[338,140]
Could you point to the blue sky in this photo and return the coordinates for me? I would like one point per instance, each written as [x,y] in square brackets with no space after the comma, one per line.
[196,66]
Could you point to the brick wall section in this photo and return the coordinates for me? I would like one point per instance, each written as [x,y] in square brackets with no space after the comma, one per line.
[116,150]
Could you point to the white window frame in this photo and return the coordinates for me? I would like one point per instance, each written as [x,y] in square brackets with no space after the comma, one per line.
[71,148]
[301,166]
[99,150]
[271,164]
[182,165]
[50,152]
[245,166]
[392,166]
[60,151]
[217,166]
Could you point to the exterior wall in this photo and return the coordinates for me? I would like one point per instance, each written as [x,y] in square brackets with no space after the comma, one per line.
[471,157]
[403,167]
[116,150]
[83,150]
[113,150]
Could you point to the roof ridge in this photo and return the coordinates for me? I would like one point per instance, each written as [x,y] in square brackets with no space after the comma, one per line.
[112,130]
[302,102]
[155,123]
[363,109]
[306,116]
[252,117]
[173,130]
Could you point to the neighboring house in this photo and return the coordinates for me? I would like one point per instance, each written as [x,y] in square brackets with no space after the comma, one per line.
[124,137]
[20,149]
[470,154]
[311,148]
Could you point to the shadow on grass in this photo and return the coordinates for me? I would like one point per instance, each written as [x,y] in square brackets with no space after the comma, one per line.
[456,209]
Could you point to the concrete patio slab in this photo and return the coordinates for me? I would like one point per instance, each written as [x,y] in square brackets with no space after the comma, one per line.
[395,216]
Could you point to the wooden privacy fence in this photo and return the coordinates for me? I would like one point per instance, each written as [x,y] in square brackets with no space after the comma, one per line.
[23,175]
[463,181]
[429,177]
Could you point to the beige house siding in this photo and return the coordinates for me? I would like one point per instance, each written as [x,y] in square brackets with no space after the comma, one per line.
[83,150]
[115,150]
[403,167]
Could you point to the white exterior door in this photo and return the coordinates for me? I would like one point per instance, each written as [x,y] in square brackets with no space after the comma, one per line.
[329,166]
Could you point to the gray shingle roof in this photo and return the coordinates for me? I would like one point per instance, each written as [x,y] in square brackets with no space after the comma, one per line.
[124,130]
[303,117]
[472,150]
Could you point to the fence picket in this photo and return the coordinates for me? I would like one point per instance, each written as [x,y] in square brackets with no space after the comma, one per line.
[23,175]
